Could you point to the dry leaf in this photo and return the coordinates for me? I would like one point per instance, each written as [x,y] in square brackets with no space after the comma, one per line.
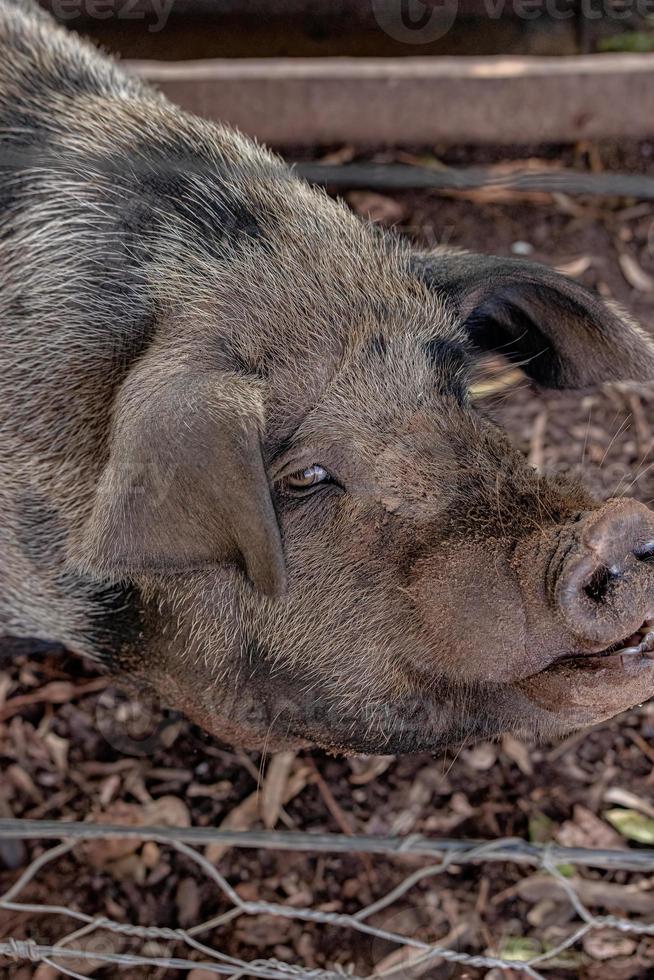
[634,274]
[608,894]
[167,811]
[108,789]
[242,817]
[101,943]
[246,814]
[482,757]
[46,972]
[274,786]
[56,692]
[188,902]
[23,782]
[6,684]
[216,791]
[461,934]
[587,830]
[128,868]
[150,854]
[365,768]
[632,825]
[520,948]
[622,797]
[344,154]
[500,193]
[376,207]
[518,752]
[576,267]
[262,931]
[426,160]
[58,749]
[606,944]
[568,205]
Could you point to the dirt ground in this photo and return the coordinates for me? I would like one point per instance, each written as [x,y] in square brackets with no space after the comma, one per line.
[61,756]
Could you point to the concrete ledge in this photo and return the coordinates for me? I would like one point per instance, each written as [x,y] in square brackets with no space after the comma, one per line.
[418,100]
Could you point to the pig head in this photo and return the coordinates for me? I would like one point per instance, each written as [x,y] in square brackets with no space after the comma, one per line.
[239,458]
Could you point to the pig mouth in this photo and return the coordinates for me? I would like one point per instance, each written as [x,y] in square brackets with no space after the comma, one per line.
[585,688]
[634,649]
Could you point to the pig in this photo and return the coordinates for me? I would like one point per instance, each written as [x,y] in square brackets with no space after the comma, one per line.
[240,462]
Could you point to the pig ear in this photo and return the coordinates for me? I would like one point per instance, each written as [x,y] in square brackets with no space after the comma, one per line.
[563,335]
[185,485]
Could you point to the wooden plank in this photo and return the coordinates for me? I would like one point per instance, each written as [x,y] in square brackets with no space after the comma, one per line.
[418,100]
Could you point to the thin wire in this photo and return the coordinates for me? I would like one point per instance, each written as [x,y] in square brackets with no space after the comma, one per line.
[451,852]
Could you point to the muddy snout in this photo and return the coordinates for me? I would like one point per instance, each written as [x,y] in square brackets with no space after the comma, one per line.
[603,582]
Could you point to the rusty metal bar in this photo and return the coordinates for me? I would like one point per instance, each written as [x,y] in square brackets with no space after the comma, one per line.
[515,849]
[399,176]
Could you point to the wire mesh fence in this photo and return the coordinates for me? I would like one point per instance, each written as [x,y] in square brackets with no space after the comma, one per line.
[90,945]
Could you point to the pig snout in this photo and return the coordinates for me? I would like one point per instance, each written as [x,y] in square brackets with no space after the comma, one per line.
[580,588]
[603,582]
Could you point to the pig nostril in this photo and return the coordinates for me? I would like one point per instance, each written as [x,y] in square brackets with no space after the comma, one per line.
[602,587]
[646,553]
[598,586]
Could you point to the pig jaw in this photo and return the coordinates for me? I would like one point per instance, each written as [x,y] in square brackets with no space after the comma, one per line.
[256,705]
[272,713]
[266,715]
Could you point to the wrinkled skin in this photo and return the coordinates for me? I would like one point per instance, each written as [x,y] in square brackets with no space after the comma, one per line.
[187,326]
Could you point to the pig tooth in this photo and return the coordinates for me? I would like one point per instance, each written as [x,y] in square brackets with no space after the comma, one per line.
[629,651]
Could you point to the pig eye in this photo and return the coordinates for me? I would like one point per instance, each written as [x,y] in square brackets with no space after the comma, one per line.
[306,479]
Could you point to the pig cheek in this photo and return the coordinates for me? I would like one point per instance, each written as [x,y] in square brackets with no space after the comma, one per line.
[473,617]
